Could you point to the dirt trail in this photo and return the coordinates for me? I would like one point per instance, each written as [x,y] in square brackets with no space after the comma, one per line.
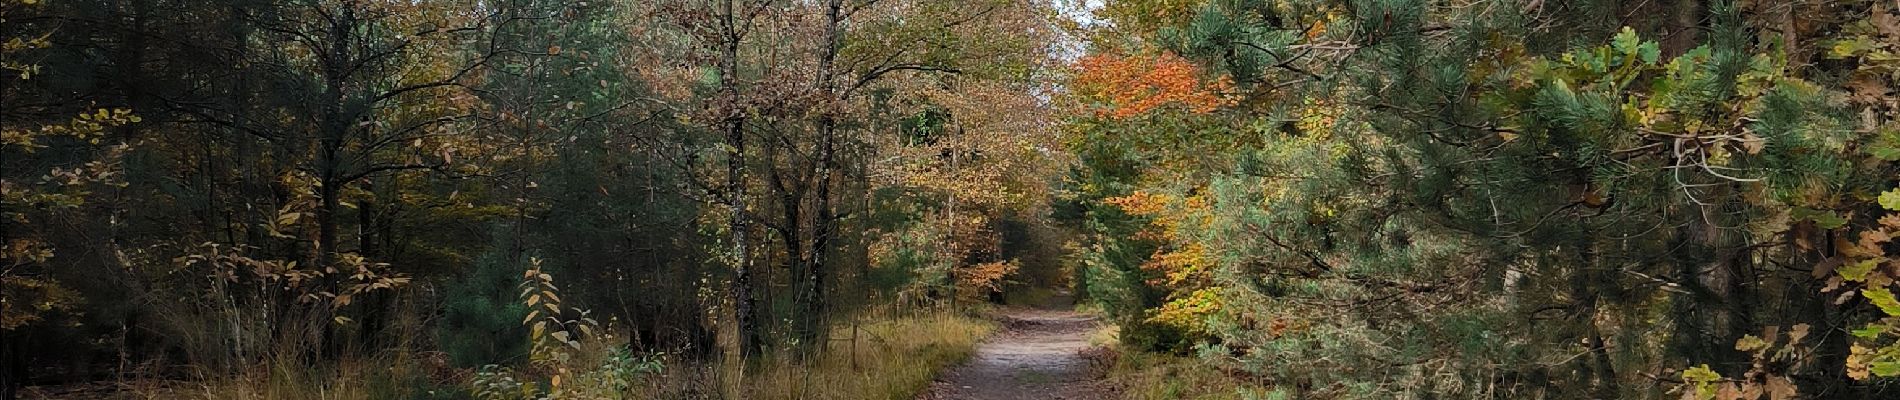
[1037,355]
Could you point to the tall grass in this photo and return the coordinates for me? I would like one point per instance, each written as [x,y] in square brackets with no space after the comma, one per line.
[882,357]
[886,358]
[382,377]
[397,375]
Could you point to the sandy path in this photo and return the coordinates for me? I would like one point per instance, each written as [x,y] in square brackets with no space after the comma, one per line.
[1036,356]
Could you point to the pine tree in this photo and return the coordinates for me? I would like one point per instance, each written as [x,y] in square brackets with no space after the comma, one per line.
[1432,180]
[482,311]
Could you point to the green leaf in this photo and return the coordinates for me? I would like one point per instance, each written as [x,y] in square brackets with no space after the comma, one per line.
[1885,146]
[1870,332]
[1884,153]
[1857,272]
[707,77]
[1882,298]
[1822,218]
[1701,373]
[1890,200]
[1852,46]
[1750,343]
[1886,368]
[1626,42]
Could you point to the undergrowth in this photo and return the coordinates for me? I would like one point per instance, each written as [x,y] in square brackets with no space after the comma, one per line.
[894,357]
[880,355]
[1144,375]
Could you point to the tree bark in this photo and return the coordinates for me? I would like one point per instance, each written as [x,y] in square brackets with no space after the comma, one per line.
[825,221]
[733,123]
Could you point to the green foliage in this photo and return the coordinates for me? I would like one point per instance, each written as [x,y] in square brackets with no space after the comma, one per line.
[1109,270]
[580,360]
[481,319]
[1882,298]
[1523,201]
[1876,355]
[1703,381]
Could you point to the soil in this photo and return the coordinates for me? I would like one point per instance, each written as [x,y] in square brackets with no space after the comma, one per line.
[1039,354]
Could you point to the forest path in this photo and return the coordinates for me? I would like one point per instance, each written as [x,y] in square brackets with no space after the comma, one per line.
[1037,355]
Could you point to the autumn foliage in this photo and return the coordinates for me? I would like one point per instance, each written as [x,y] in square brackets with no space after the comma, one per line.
[1183,267]
[1127,86]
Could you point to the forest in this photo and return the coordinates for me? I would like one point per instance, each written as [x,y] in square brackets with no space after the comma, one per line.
[949,199]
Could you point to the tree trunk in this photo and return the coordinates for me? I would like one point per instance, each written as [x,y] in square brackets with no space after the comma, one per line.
[791,199]
[1712,313]
[825,219]
[1819,311]
[336,126]
[13,363]
[1585,284]
[733,124]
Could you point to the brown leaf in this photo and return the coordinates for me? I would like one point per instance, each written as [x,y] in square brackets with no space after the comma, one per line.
[1781,388]
[1845,295]
[1852,249]
[1827,266]
[1728,391]
[1750,391]
[1884,20]
[1867,89]
[1594,200]
[1874,238]
[1753,144]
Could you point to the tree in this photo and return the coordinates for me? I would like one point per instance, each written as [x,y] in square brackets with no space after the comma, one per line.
[1410,187]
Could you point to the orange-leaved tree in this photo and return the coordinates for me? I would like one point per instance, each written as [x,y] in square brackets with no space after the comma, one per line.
[1123,87]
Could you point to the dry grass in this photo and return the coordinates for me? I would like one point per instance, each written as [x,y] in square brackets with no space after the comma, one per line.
[890,358]
[397,376]
[386,377]
[893,358]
